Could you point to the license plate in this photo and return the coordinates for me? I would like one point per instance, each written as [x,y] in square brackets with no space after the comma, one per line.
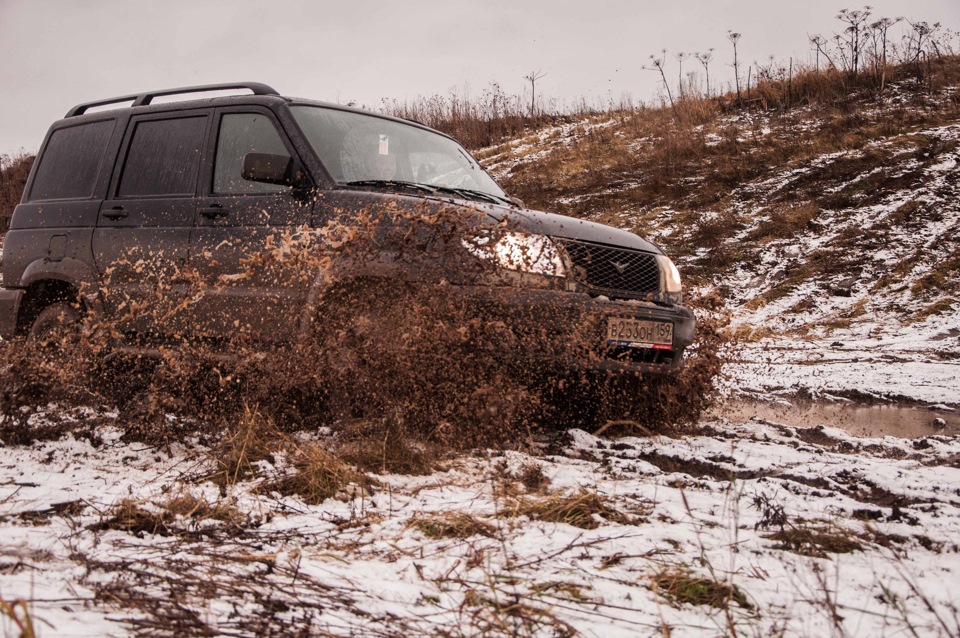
[636,333]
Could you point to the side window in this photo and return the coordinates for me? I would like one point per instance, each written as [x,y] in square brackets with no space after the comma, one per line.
[242,133]
[163,158]
[71,162]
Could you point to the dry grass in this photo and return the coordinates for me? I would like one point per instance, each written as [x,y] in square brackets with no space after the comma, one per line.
[584,509]
[938,307]
[253,438]
[190,506]
[319,475]
[18,612]
[784,221]
[128,515]
[532,477]
[815,541]
[453,525]
[683,588]
[945,273]
[384,446]
[482,121]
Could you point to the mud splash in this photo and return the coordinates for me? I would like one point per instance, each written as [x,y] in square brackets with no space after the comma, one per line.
[392,345]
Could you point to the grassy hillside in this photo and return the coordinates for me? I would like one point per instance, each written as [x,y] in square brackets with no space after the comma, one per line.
[805,217]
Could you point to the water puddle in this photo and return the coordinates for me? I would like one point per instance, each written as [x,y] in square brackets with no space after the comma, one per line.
[855,418]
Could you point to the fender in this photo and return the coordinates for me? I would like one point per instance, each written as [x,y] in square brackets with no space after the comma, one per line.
[73,271]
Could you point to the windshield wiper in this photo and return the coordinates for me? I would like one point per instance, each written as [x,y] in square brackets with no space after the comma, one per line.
[433,189]
[392,183]
[468,193]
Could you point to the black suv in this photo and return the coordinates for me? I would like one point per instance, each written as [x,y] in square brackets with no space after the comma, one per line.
[201,185]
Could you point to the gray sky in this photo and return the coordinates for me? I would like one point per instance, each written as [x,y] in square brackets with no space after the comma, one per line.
[56,53]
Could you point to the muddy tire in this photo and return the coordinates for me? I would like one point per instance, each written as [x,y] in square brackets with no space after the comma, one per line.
[56,322]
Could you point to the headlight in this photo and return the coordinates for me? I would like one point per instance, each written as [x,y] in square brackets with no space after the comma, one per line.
[520,251]
[670,274]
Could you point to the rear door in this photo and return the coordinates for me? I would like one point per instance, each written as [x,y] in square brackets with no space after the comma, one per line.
[141,243]
[242,227]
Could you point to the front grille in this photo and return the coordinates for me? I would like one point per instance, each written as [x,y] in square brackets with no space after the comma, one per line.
[608,269]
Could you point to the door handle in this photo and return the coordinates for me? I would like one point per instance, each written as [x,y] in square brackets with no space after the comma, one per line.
[214,211]
[115,213]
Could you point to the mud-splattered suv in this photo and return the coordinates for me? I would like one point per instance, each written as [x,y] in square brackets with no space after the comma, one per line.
[182,201]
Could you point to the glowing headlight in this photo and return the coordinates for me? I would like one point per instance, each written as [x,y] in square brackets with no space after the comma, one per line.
[670,274]
[519,251]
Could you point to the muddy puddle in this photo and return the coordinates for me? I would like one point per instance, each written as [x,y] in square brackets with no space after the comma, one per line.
[856,419]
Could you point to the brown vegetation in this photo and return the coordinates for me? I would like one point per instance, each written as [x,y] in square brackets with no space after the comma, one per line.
[584,509]
[683,588]
[14,170]
[453,525]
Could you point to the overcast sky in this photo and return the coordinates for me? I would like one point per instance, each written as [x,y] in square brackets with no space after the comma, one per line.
[56,53]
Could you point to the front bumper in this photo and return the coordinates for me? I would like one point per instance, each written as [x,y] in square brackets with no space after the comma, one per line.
[568,329]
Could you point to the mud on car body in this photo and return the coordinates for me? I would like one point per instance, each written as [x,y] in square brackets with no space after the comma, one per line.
[185,192]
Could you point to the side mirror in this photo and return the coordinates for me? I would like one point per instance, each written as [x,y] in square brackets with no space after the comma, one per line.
[271,169]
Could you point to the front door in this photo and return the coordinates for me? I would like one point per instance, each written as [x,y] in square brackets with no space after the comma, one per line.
[237,246]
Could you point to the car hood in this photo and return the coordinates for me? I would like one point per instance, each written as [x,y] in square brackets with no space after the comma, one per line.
[519,219]
[568,227]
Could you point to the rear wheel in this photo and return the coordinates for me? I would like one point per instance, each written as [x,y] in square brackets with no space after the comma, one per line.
[58,322]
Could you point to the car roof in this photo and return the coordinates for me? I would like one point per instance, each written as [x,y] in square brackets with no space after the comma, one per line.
[262,95]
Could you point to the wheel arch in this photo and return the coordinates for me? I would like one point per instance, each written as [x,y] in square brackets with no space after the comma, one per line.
[45,282]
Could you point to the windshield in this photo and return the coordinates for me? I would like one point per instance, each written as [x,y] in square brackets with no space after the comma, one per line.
[364,148]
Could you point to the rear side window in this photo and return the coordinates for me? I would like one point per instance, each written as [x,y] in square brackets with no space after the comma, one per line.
[242,133]
[71,162]
[163,158]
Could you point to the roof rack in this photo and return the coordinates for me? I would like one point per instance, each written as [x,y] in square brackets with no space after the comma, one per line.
[143,99]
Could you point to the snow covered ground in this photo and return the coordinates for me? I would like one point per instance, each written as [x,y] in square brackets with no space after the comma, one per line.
[744,528]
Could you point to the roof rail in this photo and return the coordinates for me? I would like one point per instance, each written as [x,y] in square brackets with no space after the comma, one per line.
[143,99]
